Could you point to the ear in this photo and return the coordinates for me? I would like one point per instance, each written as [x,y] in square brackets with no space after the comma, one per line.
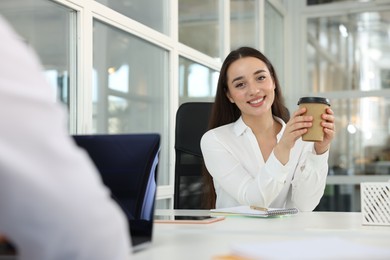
[229,96]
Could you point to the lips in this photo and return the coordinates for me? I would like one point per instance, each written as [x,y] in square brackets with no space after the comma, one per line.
[256,101]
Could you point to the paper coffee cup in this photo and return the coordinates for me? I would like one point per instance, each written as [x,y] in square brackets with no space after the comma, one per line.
[316,106]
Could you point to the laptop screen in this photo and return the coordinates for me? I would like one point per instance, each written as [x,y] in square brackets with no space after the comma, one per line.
[128,166]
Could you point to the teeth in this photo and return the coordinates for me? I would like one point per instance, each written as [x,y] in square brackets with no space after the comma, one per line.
[256,101]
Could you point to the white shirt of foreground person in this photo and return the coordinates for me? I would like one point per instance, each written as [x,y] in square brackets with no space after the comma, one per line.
[53,204]
[242,177]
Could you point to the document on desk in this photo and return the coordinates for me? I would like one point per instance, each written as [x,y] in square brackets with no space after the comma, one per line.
[251,211]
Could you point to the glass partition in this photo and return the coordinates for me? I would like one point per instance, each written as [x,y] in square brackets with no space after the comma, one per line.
[130,87]
[349,52]
[361,148]
[151,13]
[362,143]
[348,59]
[199,26]
[196,82]
[274,43]
[244,26]
[54,40]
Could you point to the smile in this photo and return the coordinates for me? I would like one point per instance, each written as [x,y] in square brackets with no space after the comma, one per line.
[256,101]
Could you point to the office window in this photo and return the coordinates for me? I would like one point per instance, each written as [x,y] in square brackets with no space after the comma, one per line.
[244,27]
[130,86]
[199,26]
[154,14]
[274,41]
[196,82]
[349,52]
[50,29]
[348,56]
[361,147]
[362,143]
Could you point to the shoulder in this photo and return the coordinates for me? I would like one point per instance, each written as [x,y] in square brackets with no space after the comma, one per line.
[217,134]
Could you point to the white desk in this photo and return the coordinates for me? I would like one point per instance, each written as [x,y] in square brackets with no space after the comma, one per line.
[205,241]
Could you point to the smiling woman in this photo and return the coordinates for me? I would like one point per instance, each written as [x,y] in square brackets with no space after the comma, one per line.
[253,151]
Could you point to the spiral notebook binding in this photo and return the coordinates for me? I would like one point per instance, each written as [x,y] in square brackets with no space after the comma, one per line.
[254,211]
[280,212]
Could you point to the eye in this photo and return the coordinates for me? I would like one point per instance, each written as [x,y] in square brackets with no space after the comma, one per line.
[261,78]
[240,85]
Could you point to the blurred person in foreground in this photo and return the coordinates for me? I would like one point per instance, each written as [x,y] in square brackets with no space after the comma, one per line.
[53,204]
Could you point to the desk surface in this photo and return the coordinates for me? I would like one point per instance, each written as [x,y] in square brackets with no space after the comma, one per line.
[205,241]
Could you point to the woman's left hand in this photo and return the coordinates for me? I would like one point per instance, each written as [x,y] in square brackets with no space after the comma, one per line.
[329,131]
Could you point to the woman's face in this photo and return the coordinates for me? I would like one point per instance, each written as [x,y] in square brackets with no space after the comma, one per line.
[250,86]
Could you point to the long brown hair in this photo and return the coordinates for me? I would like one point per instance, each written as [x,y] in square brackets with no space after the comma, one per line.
[224,112]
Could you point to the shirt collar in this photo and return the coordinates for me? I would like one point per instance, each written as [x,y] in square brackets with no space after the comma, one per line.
[279,135]
[239,127]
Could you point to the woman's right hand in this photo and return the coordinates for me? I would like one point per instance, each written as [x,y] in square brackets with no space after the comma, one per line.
[295,128]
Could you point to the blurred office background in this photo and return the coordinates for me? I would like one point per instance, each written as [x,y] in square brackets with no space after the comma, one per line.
[124,66]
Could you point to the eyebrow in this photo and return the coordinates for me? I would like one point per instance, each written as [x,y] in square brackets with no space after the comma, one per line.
[255,73]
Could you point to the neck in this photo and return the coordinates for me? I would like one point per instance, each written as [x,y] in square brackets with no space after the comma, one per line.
[263,125]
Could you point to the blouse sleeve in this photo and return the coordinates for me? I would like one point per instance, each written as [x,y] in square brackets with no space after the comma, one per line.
[224,159]
[309,180]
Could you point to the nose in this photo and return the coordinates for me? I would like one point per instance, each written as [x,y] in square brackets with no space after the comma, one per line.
[253,88]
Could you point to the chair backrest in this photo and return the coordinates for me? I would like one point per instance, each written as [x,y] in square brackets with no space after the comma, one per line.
[128,167]
[191,123]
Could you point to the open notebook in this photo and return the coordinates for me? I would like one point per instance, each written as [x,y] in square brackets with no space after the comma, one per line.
[254,211]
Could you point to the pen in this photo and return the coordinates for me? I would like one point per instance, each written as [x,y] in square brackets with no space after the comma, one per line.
[259,208]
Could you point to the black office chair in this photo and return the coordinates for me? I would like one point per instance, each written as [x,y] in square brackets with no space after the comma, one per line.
[191,123]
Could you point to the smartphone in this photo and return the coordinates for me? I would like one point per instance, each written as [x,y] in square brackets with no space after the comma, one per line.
[186,219]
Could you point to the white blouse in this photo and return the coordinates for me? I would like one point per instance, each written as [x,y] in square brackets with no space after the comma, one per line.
[242,177]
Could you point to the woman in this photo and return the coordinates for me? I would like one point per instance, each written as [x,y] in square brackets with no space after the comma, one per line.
[254,151]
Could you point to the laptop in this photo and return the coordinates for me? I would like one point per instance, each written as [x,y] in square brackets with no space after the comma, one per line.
[128,164]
